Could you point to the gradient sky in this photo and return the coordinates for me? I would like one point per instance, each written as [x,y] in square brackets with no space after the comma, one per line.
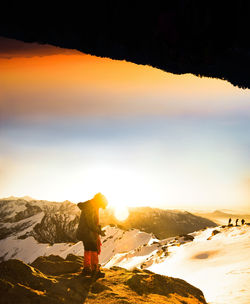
[72,125]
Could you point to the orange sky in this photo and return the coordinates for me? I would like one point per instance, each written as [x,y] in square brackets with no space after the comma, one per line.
[73,124]
[66,81]
[74,70]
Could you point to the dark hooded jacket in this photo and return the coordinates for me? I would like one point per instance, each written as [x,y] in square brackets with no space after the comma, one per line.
[89,229]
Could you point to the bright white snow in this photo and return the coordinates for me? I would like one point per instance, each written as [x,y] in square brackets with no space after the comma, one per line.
[115,241]
[220,267]
[120,241]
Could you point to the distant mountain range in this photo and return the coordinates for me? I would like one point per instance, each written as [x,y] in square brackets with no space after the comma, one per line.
[13,198]
[222,217]
[53,222]
[162,223]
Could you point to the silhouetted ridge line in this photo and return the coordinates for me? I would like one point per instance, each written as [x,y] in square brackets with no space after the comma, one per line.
[185,36]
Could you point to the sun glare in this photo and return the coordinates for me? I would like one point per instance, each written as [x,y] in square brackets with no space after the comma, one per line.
[121,213]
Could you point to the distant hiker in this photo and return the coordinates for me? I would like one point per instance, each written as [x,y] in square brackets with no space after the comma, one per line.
[236,222]
[229,221]
[242,222]
[89,232]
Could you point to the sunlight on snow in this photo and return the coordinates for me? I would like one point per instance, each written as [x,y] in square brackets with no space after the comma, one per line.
[219,267]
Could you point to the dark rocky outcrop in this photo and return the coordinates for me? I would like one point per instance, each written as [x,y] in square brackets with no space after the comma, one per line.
[57,223]
[54,264]
[206,38]
[56,228]
[23,283]
[28,212]
[214,232]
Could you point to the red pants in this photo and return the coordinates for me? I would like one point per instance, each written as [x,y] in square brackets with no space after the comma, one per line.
[91,260]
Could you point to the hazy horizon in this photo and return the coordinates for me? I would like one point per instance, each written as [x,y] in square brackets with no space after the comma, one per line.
[202,210]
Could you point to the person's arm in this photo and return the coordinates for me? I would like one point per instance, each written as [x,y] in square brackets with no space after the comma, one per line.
[92,220]
[95,227]
[91,217]
[93,223]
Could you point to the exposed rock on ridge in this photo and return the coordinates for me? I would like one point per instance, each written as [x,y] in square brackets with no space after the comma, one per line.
[29,285]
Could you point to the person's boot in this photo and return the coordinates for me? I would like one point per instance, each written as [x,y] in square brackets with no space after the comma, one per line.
[86,272]
[97,273]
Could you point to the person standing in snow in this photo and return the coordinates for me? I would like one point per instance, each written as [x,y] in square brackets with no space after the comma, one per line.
[236,222]
[89,232]
[242,222]
[229,221]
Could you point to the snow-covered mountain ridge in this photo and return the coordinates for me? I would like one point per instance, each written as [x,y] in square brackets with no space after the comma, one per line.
[47,222]
[216,260]
[57,222]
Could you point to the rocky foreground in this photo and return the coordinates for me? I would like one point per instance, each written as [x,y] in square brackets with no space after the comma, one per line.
[56,280]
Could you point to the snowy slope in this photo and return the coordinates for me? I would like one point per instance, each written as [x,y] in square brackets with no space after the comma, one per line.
[115,241]
[218,264]
[28,249]
[152,251]
[220,267]
[118,241]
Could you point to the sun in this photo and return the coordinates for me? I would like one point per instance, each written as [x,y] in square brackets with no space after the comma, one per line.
[120,209]
[121,213]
